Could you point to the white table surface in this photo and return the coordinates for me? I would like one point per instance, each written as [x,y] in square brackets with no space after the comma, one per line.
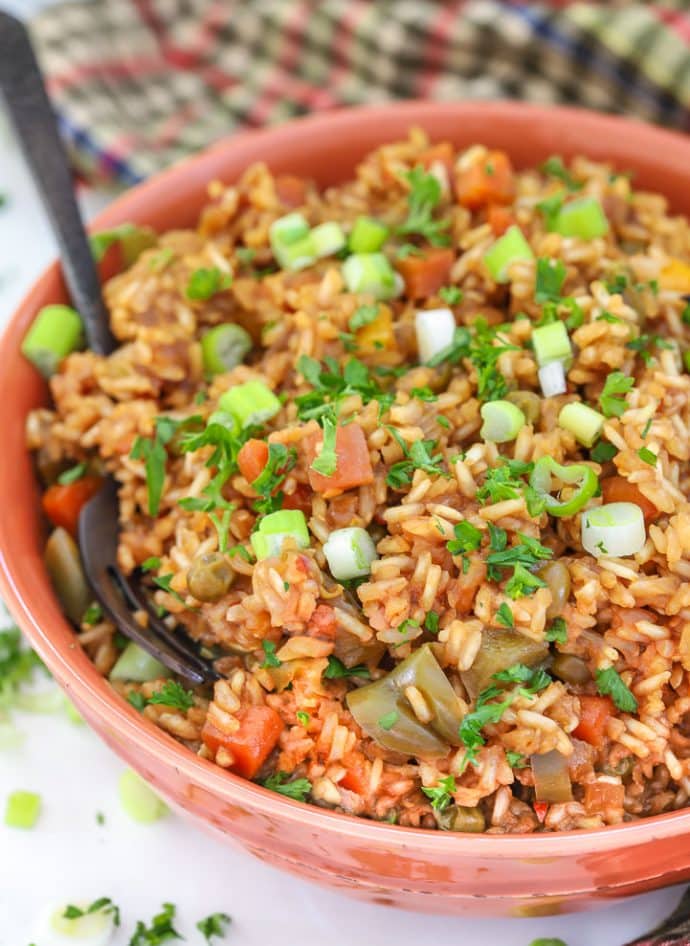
[68,856]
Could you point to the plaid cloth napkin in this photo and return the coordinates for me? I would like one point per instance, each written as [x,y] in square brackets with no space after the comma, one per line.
[140,83]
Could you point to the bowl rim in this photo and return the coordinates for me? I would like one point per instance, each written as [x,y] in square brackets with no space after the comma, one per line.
[94,689]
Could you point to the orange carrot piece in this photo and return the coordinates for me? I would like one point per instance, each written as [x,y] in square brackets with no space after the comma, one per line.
[602,795]
[595,712]
[291,190]
[63,503]
[489,180]
[424,275]
[499,219]
[616,489]
[441,153]
[353,466]
[250,746]
[252,459]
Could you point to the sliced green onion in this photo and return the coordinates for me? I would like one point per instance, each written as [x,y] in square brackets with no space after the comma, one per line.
[572,474]
[583,218]
[87,927]
[139,800]
[224,347]
[503,421]
[327,239]
[552,343]
[250,403]
[349,553]
[371,273]
[615,529]
[583,422]
[552,379]
[135,664]
[435,329]
[133,241]
[22,809]
[291,242]
[510,248]
[367,235]
[56,331]
[273,529]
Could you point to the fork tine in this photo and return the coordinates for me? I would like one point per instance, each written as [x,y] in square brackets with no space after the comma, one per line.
[98,541]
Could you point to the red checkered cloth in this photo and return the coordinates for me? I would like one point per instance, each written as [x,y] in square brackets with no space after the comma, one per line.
[140,83]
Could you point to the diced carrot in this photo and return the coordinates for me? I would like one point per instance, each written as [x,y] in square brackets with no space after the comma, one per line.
[499,219]
[377,335]
[602,795]
[441,153]
[489,180]
[540,809]
[595,712]
[424,275]
[63,503]
[675,276]
[291,190]
[353,464]
[252,459]
[251,744]
[616,489]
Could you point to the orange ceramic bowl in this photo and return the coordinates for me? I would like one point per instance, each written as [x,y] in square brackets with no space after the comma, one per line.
[413,869]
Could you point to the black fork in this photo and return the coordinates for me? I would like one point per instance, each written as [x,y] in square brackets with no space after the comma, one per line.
[22,85]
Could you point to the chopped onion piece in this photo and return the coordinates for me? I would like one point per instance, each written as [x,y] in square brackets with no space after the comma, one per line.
[349,553]
[615,529]
[551,343]
[139,800]
[371,273]
[583,422]
[327,238]
[22,809]
[435,329]
[503,421]
[552,379]
[138,666]
[583,218]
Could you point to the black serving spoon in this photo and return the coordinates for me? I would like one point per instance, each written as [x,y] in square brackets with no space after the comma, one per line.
[22,84]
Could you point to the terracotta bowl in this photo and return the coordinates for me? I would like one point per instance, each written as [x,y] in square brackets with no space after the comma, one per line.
[412,869]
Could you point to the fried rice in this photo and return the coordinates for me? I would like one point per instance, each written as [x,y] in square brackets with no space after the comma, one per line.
[567,689]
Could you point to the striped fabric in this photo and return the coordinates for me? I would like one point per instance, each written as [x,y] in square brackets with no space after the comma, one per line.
[140,83]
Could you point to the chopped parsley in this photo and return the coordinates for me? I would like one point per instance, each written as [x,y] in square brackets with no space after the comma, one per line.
[646,428]
[327,461]
[610,683]
[362,316]
[612,398]
[647,455]
[616,284]
[150,564]
[270,660]
[451,294]
[72,475]
[418,456]
[409,624]
[441,795]
[423,197]
[554,167]
[388,720]
[281,460]
[483,714]
[137,700]
[557,631]
[205,283]
[468,538]
[17,664]
[431,622]
[550,207]
[164,583]
[549,280]
[644,343]
[92,615]
[336,670]
[503,482]
[160,931]
[523,583]
[297,789]
[685,315]
[213,925]
[532,679]
[303,718]
[408,249]
[424,394]
[482,350]
[152,451]
[527,553]
[516,760]
[103,905]
[504,615]
[245,254]
[498,538]
[602,452]
[331,385]
[173,694]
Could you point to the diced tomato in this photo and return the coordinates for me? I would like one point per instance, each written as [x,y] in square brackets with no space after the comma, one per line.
[424,275]
[301,499]
[62,504]
[252,459]
[499,219]
[540,809]
[602,795]
[616,489]
[322,623]
[353,465]
[291,190]
[489,180]
[356,779]
[441,153]
[252,743]
[595,712]
[378,335]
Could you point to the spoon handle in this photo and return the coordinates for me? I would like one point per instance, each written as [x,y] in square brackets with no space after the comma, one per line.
[36,126]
